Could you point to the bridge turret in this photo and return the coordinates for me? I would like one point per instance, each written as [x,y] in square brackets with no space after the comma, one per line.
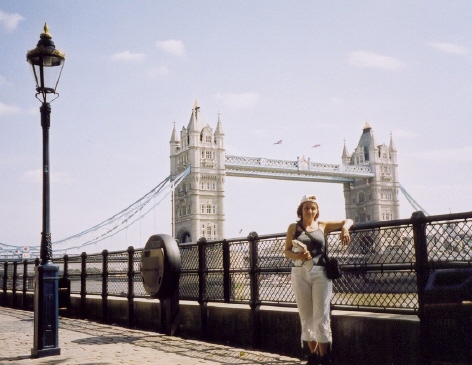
[199,202]
[174,150]
[345,157]
[375,198]
[193,129]
[219,134]
[392,150]
[174,141]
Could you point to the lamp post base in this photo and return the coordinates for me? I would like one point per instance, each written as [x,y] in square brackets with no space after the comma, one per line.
[46,316]
[46,352]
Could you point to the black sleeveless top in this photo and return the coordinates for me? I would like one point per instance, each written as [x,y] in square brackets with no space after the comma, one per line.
[315,244]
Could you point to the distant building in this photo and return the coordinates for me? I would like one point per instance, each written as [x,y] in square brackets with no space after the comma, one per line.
[199,200]
[376,198]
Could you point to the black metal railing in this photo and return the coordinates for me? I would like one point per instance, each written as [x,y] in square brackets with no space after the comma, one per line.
[386,267]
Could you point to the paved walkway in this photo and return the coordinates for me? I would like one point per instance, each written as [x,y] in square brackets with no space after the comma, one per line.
[90,343]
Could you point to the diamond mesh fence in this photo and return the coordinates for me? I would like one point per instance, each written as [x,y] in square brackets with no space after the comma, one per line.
[449,241]
[379,266]
[378,269]
[74,270]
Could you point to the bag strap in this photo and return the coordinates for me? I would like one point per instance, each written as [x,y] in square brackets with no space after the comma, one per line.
[308,233]
[324,255]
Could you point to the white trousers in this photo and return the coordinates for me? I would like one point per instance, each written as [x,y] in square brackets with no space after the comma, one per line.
[313,295]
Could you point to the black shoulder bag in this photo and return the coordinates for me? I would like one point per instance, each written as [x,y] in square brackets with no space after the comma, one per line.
[332,269]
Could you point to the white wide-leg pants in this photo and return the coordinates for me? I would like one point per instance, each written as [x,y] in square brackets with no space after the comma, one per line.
[313,295]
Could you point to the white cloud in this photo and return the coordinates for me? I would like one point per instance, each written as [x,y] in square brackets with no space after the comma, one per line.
[449,47]
[9,109]
[128,56]
[158,71]
[10,21]
[172,47]
[36,176]
[241,101]
[463,154]
[374,60]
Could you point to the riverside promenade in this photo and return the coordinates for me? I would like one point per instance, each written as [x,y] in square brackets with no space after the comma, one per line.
[90,343]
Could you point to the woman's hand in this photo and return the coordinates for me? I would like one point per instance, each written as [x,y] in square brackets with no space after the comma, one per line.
[344,236]
[305,256]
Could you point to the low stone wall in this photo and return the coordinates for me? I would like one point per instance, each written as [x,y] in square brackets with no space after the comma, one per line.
[358,337]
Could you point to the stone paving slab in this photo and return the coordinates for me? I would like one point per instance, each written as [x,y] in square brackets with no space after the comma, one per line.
[90,343]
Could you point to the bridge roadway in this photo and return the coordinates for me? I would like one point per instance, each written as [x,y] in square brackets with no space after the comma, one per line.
[85,342]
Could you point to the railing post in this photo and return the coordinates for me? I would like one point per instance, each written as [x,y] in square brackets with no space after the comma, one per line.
[226,272]
[202,287]
[105,286]
[83,285]
[14,283]
[25,283]
[254,302]
[64,289]
[5,278]
[422,274]
[65,273]
[130,286]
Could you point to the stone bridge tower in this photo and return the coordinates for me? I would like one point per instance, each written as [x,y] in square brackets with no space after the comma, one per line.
[376,198]
[198,203]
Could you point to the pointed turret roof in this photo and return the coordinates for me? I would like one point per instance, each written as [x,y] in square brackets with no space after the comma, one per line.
[219,127]
[174,137]
[345,153]
[391,146]
[193,123]
[367,138]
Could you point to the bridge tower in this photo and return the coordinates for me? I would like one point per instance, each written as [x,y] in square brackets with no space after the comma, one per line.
[374,198]
[198,202]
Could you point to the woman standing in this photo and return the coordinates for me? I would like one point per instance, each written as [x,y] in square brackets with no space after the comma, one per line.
[312,288]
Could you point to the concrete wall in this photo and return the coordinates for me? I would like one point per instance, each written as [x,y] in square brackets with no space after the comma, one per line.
[358,337]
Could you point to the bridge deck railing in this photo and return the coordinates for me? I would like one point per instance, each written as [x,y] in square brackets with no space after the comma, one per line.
[259,162]
[386,267]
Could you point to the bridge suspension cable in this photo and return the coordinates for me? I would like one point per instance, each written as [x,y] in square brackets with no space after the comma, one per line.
[123,219]
[115,224]
[412,201]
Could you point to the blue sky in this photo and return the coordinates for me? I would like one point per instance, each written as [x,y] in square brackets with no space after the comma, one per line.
[307,72]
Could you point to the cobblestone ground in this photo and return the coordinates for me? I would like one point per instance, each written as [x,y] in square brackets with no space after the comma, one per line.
[90,343]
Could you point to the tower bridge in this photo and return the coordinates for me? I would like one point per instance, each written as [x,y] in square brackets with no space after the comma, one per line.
[369,177]
[199,167]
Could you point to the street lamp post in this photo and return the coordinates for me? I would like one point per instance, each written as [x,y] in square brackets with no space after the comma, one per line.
[47,63]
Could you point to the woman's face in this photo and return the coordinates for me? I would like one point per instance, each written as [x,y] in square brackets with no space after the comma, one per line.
[310,210]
